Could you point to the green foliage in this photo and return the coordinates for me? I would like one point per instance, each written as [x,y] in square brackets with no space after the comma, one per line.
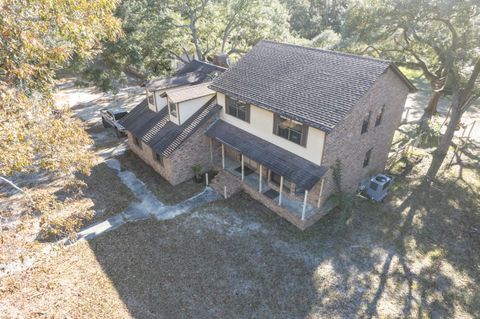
[38,38]
[429,132]
[158,31]
[327,39]
[340,198]
[197,169]
[337,175]
[309,18]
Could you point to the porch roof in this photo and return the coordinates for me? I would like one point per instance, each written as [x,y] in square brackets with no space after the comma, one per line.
[302,172]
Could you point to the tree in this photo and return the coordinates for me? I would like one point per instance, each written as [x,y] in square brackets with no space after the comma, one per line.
[309,18]
[442,38]
[206,27]
[466,90]
[417,33]
[37,38]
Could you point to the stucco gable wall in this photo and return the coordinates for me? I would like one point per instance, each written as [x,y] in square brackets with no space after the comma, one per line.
[347,144]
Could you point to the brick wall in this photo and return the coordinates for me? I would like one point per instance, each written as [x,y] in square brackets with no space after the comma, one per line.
[177,167]
[148,156]
[347,144]
[194,151]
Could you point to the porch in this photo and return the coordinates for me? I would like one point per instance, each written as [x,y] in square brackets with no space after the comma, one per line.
[277,178]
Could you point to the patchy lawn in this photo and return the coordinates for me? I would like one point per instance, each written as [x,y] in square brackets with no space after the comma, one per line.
[107,192]
[416,255]
[165,192]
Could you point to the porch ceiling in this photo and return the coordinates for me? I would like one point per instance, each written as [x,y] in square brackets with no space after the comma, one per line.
[293,167]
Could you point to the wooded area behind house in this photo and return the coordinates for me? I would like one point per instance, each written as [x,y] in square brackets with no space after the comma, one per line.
[104,42]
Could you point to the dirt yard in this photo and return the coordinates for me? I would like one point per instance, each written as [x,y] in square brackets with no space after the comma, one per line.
[413,256]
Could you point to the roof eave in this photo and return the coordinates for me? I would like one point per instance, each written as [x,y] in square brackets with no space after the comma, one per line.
[411,87]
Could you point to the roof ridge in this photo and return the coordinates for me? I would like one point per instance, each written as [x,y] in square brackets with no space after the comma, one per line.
[187,87]
[210,64]
[328,51]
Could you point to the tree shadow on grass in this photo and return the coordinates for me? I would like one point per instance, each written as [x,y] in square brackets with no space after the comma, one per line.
[203,265]
[235,258]
[433,221]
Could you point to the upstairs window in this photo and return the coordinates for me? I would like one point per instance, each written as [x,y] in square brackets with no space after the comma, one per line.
[172,108]
[365,123]
[366,160]
[238,109]
[291,130]
[151,98]
[378,120]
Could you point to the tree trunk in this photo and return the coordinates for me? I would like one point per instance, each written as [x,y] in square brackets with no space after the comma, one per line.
[433,103]
[446,139]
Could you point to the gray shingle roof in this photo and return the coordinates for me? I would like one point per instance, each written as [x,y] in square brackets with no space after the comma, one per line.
[191,92]
[293,167]
[191,73]
[313,86]
[163,136]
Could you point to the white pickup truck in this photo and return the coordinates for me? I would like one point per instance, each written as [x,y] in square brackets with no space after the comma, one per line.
[111,117]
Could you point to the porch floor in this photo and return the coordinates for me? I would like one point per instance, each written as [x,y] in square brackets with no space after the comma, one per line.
[252,180]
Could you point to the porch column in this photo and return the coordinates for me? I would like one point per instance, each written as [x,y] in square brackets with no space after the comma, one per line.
[243,168]
[211,151]
[223,156]
[260,180]
[320,195]
[281,190]
[304,204]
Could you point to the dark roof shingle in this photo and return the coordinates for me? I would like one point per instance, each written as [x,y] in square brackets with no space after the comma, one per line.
[314,86]
[163,136]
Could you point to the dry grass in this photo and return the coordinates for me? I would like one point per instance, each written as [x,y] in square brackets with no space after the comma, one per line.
[165,192]
[62,207]
[412,256]
[107,192]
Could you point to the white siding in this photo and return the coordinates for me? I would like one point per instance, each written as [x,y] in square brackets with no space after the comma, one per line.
[261,125]
[188,108]
[160,101]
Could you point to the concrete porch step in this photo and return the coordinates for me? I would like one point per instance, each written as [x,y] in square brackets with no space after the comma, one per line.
[223,179]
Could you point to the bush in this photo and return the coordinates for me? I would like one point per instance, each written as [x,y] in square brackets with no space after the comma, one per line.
[342,200]
[54,223]
[430,132]
[54,228]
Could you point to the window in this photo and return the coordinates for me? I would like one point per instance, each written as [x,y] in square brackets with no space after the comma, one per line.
[291,130]
[367,158]
[299,190]
[120,115]
[366,121]
[378,120]
[151,98]
[276,178]
[159,158]
[137,141]
[239,109]
[173,108]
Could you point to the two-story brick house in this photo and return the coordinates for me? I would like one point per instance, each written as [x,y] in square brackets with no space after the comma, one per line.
[275,123]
